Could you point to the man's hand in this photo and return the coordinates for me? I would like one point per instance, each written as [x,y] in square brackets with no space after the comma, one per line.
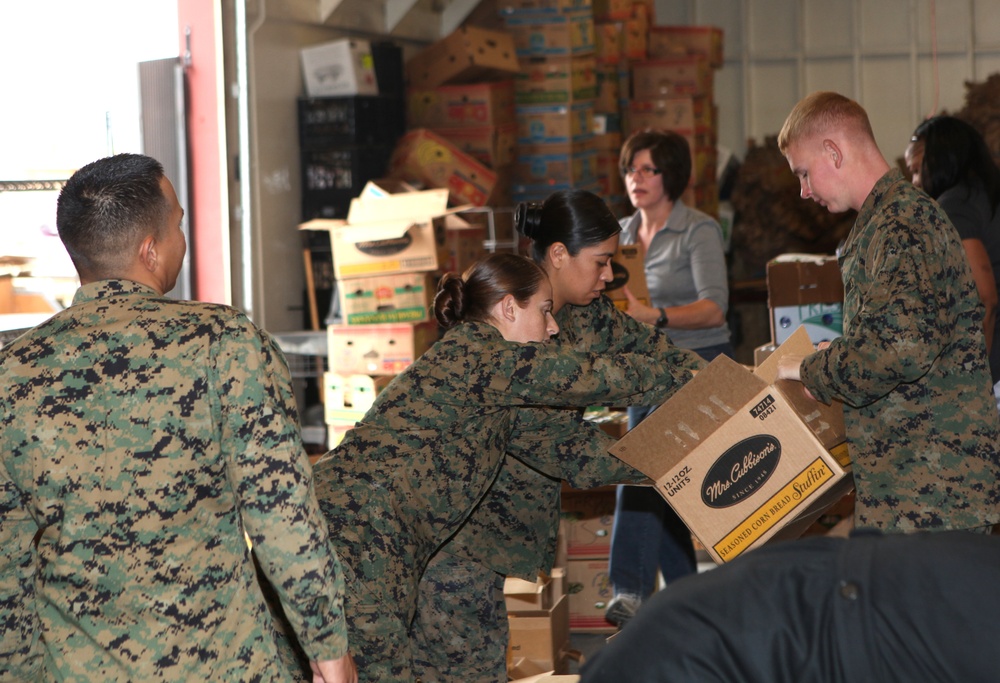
[790,367]
[335,670]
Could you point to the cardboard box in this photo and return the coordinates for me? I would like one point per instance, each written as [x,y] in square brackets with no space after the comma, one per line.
[462,106]
[590,591]
[423,156]
[743,458]
[341,67]
[611,10]
[805,290]
[542,6]
[466,244]
[378,349]
[609,89]
[406,297]
[551,35]
[683,41]
[609,41]
[628,269]
[635,39]
[554,124]
[568,163]
[556,80]
[822,322]
[589,517]
[527,596]
[654,79]
[346,398]
[493,146]
[542,635]
[685,112]
[467,55]
[395,233]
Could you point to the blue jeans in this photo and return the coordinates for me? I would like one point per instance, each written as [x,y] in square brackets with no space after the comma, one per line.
[647,534]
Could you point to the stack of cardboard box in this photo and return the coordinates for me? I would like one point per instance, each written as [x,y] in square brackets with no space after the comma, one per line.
[587,519]
[349,121]
[387,257]
[460,111]
[622,35]
[554,92]
[673,90]
[538,616]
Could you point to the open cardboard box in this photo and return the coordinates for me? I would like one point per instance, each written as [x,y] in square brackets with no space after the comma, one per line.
[743,457]
[390,232]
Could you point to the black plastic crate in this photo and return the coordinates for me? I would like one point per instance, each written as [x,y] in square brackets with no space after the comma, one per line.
[388,59]
[351,120]
[332,177]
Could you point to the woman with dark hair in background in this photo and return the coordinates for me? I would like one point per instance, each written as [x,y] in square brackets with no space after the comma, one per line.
[689,291]
[410,472]
[950,161]
[512,532]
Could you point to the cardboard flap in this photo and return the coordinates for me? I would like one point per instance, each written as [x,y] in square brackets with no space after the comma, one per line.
[374,232]
[696,411]
[407,207]
[826,421]
[322,224]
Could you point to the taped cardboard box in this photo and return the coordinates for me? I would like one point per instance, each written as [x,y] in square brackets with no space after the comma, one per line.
[340,67]
[556,80]
[462,106]
[383,235]
[378,349]
[467,55]
[554,124]
[805,290]
[741,457]
[422,156]
[567,34]
[590,591]
[405,297]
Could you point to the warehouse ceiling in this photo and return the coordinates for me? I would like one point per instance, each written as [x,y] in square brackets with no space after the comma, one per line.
[424,20]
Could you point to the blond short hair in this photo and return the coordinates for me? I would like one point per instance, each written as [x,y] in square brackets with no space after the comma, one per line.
[821,112]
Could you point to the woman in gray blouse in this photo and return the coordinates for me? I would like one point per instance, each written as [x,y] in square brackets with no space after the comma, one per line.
[689,292]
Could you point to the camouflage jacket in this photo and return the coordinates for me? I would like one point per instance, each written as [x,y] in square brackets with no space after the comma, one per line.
[143,440]
[407,476]
[911,367]
[514,528]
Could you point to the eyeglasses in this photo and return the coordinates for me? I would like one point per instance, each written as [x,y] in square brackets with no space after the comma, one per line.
[642,171]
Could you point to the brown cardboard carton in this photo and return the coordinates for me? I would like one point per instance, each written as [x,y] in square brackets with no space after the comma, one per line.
[527,596]
[404,297]
[805,290]
[681,76]
[378,349]
[589,517]
[394,233]
[493,146]
[467,55]
[682,41]
[462,106]
[742,457]
[590,591]
[425,157]
[556,80]
[542,635]
[628,270]
[551,35]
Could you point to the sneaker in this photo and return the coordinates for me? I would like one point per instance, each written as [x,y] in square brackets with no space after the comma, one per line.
[622,608]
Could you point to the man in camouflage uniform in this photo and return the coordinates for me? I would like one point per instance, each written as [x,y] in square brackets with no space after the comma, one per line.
[143,441]
[911,366]
[410,473]
[512,532]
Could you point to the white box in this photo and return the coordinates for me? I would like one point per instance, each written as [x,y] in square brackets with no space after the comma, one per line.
[341,67]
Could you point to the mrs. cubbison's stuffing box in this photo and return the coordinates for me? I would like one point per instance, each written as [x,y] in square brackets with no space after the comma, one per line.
[743,457]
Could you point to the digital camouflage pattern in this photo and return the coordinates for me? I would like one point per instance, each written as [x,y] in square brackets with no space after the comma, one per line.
[411,471]
[443,651]
[513,529]
[142,440]
[922,426]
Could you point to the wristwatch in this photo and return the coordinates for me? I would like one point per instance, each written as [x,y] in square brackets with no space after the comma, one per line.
[662,321]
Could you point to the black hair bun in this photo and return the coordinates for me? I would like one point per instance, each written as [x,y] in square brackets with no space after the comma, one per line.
[528,218]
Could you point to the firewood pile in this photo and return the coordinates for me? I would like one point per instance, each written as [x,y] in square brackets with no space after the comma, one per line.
[982,111]
[771,218]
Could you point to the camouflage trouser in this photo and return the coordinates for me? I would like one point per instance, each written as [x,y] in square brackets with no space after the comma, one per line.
[459,634]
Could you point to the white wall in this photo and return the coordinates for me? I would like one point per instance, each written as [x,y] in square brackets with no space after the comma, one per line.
[879,52]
